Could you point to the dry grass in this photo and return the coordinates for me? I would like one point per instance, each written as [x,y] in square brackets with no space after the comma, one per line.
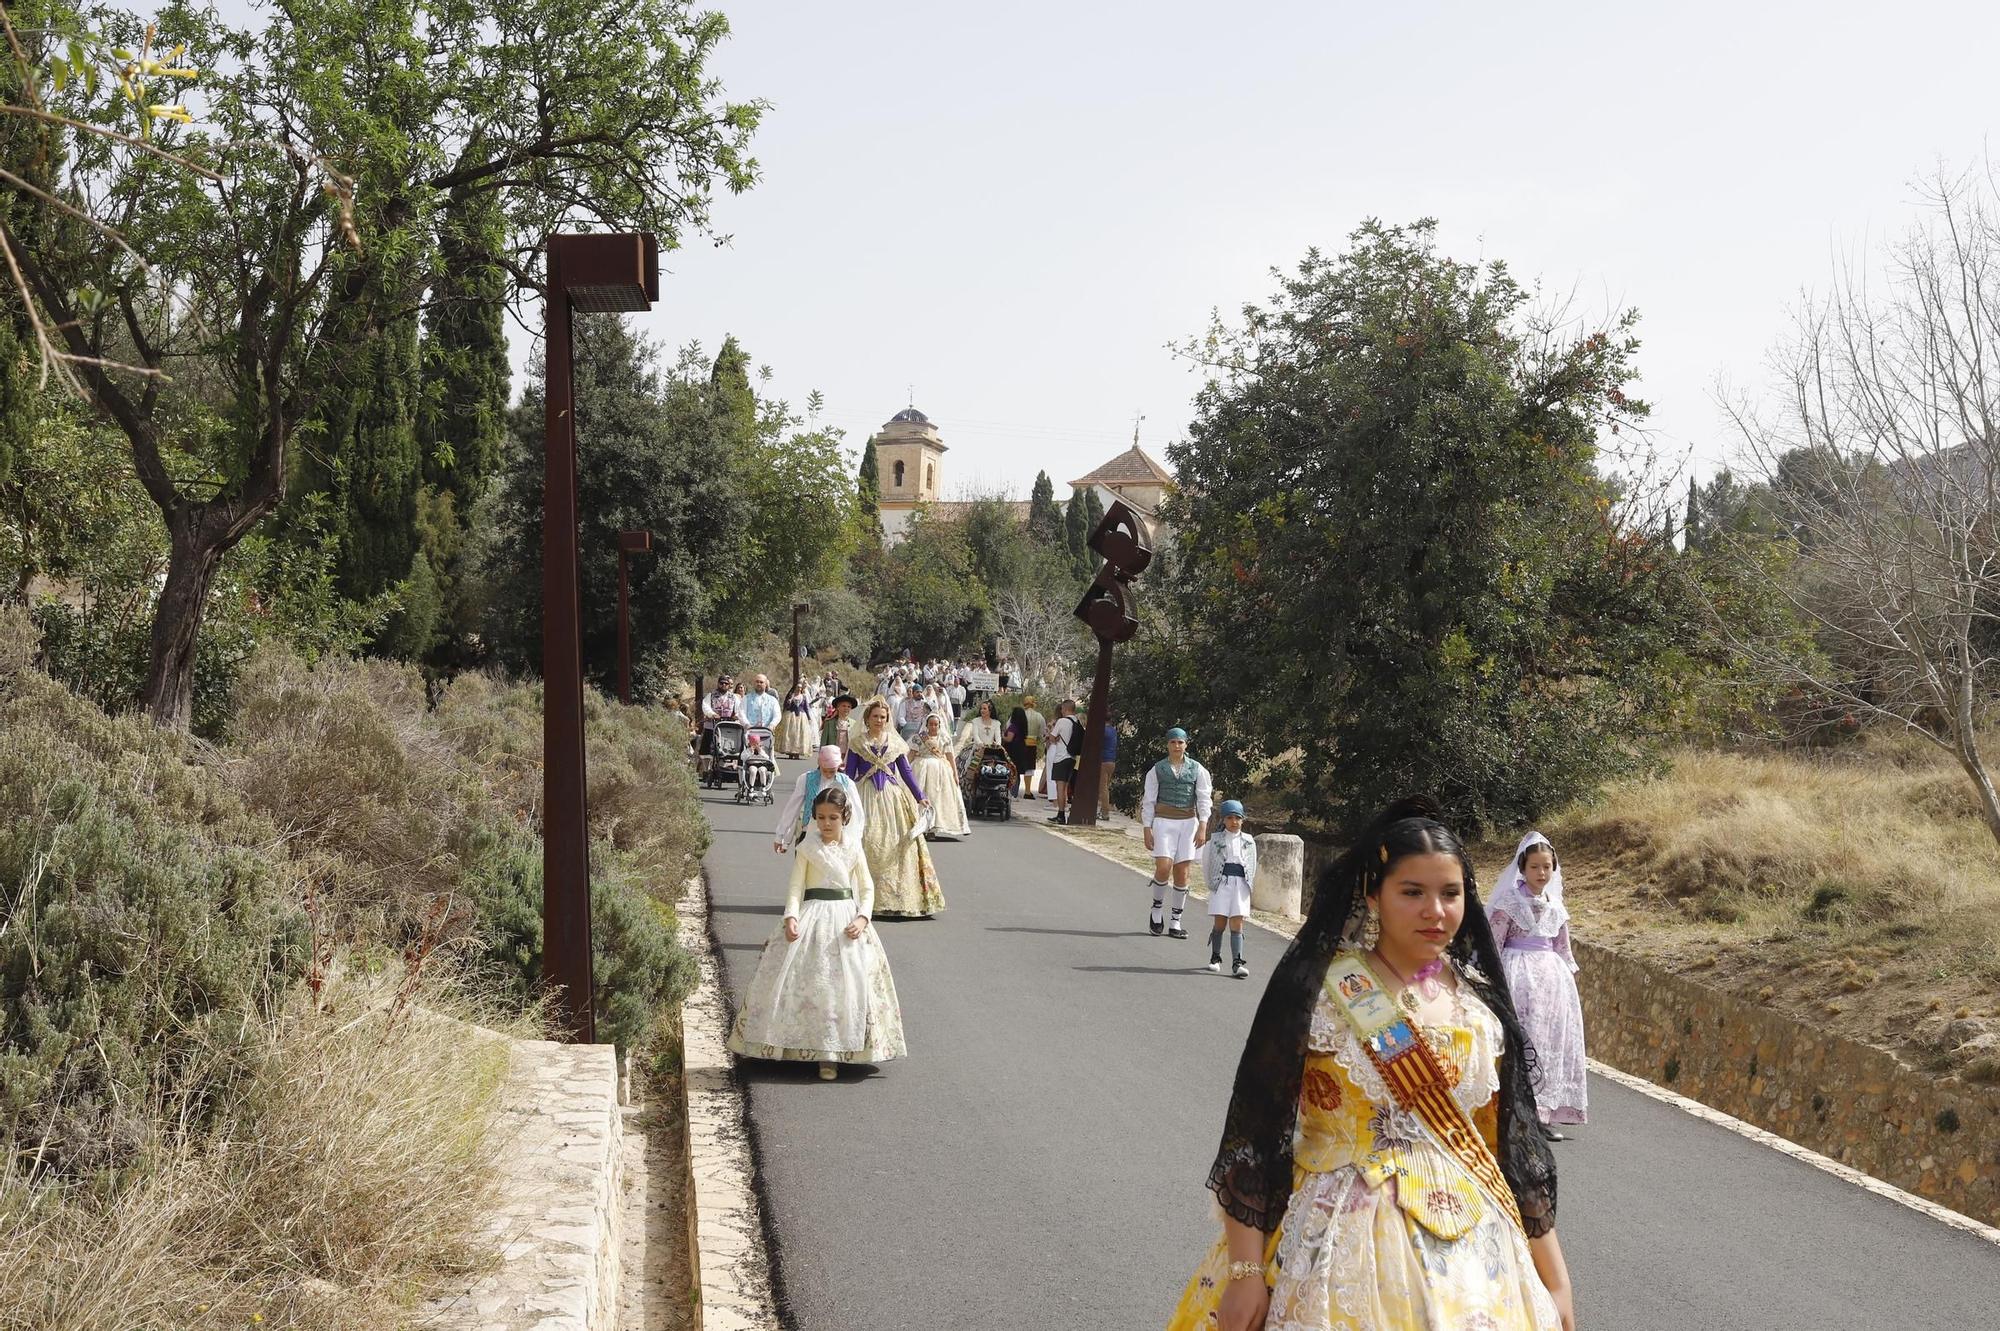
[1800,882]
[338,1189]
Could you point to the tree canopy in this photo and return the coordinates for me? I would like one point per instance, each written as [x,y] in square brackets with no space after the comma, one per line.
[1397,566]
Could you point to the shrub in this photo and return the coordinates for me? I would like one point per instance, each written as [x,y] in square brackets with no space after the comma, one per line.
[146,932]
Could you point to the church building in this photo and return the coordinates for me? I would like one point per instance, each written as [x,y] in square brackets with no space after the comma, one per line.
[909,460]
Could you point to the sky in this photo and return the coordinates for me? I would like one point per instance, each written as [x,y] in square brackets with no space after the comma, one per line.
[1006,213]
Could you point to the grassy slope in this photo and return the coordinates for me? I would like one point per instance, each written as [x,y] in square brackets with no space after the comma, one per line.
[1858,891]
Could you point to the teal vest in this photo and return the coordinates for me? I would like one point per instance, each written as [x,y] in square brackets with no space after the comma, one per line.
[1176,790]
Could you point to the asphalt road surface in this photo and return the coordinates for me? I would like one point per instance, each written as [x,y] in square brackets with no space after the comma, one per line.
[1037,1161]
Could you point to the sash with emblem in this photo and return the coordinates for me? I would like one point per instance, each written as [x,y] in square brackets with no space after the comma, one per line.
[1410,1068]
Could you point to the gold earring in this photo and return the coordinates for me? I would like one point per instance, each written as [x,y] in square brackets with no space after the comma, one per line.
[1371,928]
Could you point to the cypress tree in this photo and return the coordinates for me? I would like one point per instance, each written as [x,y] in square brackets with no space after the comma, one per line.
[1693,540]
[462,423]
[1076,528]
[735,402]
[1044,518]
[870,488]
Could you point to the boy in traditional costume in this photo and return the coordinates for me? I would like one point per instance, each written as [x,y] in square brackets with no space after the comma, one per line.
[1229,862]
[1174,811]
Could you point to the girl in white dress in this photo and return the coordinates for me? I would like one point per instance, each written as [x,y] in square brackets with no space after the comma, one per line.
[1531,927]
[938,777]
[822,992]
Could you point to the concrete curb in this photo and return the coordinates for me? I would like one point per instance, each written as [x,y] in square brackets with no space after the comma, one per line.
[731,1263]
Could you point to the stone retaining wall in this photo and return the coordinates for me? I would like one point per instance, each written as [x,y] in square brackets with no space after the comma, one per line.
[558,1226]
[1937,1137]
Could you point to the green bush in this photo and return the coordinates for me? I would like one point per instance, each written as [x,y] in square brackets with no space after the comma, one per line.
[147,933]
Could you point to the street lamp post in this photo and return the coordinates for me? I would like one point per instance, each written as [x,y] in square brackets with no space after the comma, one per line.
[629,543]
[599,274]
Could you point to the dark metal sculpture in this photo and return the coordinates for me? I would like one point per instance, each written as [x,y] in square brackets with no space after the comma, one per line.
[1110,606]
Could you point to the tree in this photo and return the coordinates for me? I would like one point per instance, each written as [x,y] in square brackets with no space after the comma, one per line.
[271,296]
[802,521]
[1076,532]
[928,598]
[1692,540]
[653,452]
[868,491]
[1390,522]
[1888,461]
[1045,522]
[1048,639]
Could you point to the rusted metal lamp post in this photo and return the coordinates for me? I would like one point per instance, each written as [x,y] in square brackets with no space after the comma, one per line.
[1111,607]
[603,274]
[629,543]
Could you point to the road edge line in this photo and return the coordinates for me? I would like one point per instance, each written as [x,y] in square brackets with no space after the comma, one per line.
[1866,1182]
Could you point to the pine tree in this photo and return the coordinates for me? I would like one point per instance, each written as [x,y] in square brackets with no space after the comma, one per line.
[1693,541]
[1076,528]
[1045,523]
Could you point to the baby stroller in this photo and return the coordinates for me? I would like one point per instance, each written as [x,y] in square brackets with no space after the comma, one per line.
[992,780]
[756,771]
[725,754]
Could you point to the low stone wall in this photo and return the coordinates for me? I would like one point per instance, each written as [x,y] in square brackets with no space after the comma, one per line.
[558,1227]
[1931,1136]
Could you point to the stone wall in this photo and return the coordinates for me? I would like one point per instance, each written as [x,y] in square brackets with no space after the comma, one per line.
[557,1230]
[1936,1137]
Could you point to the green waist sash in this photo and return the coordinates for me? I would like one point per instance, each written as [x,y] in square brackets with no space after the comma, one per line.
[829,894]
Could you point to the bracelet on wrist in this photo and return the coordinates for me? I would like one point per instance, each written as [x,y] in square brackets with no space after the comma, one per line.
[1246,1270]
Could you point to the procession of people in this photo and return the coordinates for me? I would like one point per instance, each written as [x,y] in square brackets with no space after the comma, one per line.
[1386,1155]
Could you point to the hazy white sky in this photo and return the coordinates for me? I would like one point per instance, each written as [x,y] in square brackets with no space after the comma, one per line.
[1014,208]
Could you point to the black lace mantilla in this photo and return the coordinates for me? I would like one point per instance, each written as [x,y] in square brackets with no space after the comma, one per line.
[1252,1174]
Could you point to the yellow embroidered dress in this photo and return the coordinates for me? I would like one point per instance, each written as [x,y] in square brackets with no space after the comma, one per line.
[1386,1231]
[906,884]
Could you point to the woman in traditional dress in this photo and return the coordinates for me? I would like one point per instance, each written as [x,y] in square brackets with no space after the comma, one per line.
[822,992]
[1382,1166]
[795,736]
[979,734]
[879,763]
[1531,928]
[938,776]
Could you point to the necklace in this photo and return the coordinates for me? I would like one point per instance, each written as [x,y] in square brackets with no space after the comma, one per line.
[1422,985]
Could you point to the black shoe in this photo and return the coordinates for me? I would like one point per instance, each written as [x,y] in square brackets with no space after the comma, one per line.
[1551,1135]
[1060,818]
[1155,921]
[1175,930]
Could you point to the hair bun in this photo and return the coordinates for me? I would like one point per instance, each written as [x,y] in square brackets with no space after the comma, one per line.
[1410,806]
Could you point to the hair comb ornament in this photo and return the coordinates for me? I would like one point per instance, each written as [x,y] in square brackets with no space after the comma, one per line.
[1385,852]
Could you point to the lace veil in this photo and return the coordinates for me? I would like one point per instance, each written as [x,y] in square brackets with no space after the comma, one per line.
[1252,1174]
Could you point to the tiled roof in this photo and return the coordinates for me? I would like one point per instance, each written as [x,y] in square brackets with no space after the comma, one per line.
[1132,467]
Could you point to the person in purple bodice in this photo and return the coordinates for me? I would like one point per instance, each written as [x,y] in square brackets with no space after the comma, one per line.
[1531,928]
[906,883]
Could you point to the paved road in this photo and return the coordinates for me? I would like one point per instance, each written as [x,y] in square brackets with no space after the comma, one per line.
[1037,1161]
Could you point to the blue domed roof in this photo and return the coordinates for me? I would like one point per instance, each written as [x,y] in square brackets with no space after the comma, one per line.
[911,416]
